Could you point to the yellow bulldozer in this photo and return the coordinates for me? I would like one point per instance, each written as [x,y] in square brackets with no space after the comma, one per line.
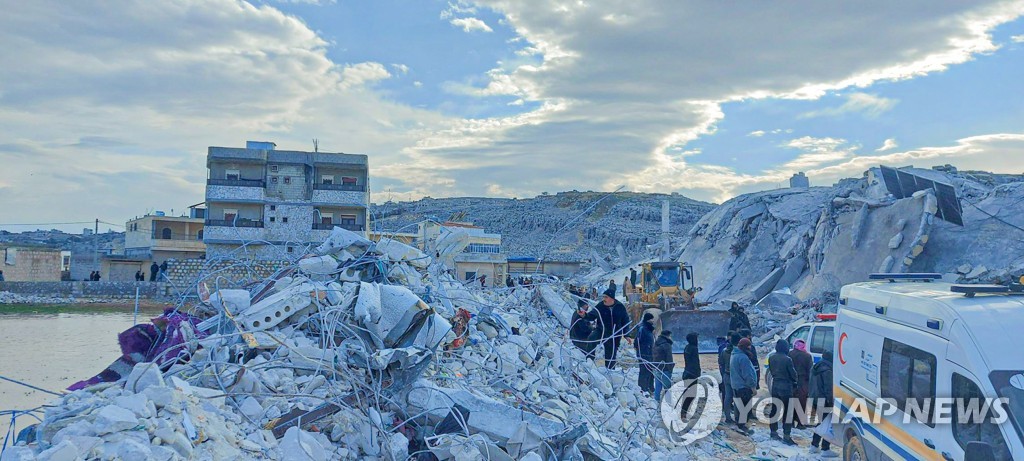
[667,289]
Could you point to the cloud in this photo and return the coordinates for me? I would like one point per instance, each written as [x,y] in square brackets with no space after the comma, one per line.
[400,68]
[889,144]
[756,134]
[357,75]
[470,25]
[871,106]
[1017,39]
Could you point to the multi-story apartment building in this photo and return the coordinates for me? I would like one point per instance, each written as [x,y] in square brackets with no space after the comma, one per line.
[269,204]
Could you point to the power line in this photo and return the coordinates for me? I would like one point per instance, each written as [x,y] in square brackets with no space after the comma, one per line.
[996,217]
[47,223]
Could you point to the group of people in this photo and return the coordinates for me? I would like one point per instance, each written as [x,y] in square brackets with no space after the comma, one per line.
[796,380]
[155,271]
[94,276]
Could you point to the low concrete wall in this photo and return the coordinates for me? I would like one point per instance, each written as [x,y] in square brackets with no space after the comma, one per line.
[183,274]
[111,290]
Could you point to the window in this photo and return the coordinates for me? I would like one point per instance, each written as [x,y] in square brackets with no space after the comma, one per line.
[273,207]
[327,179]
[287,179]
[980,427]
[273,168]
[348,219]
[166,233]
[272,219]
[291,249]
[482,248]
[822,340]
[349,180]
[284,219]
[273,179]
[230,215]
[800,333]
[326,218]
[470,276]
[233,175]
[199,235]
[908,377]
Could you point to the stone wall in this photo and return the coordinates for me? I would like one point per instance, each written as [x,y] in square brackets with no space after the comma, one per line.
[108,290]
[182,275]
[31,265]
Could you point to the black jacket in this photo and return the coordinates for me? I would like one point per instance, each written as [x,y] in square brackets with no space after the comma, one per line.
[612,320]
[821,381]
[663,352]
[803,362]
[723,362]
[581,327]
[691,358]
[739,321]
[751,353]
[645,342]
[784,378]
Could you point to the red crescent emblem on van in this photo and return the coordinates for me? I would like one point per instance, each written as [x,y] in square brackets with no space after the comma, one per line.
[842,337]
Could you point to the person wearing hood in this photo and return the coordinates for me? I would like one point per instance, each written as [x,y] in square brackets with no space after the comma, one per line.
[613,321]
[581,329]
[820,392]
[725,346]
[664,362]
[739,320]
[691,367]
[803,362]
[612,287]
[645,353]
[784,382]
[743,378]
[752,355]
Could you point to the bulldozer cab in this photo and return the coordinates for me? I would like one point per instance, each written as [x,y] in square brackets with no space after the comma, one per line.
[668,285]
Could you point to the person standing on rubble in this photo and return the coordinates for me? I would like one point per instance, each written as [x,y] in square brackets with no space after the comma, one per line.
[645,353]
[739,320]
[743,377]
[784,381]
[614,324]
[664,362]
[612,287]
[581,329]
[632,277]
[751,353]
[725,347]
[483,281]
[154,269]
[691,368]
[803,362]
[820,393]
[508,282]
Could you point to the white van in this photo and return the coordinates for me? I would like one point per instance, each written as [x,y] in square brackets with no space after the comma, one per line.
[909,336]
[819,334]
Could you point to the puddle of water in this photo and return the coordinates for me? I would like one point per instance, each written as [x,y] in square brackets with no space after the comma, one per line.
[53,348]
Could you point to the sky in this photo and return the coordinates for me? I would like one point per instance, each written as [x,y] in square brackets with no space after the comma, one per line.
[107,108]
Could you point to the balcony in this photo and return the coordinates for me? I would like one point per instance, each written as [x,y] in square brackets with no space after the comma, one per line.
[343,187]
[236,182]
[328,226]
[234,223]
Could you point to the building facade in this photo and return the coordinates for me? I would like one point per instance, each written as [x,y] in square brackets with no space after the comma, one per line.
[267,204]
[482,255]
[29,264]
[155,238]
[799,181]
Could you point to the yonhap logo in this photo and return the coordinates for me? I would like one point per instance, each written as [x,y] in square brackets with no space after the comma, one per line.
[692,409]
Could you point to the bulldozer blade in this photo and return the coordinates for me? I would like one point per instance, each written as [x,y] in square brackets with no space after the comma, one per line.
[708,325]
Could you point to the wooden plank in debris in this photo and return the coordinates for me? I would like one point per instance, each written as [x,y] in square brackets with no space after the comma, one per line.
[304,418]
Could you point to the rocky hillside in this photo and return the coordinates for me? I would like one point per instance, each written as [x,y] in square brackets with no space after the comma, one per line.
[564,226]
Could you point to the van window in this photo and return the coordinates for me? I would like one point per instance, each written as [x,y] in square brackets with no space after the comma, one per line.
[800,333]
[822,340]
[908,377]
[971,425]
[1010,386]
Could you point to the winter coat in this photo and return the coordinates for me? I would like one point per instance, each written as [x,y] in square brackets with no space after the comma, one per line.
[620,319]
[663,352]
[580,328]
[645,342]
[803,362]
[821,381]
[691,358]
[752,355]
[611,286]
[723,361]
[784,378]
[739,321]
[742,374]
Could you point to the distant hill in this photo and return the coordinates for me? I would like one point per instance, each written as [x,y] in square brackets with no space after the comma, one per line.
[564,226]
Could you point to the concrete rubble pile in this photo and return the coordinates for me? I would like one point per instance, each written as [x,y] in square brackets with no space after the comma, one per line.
[364,351]
[7,297]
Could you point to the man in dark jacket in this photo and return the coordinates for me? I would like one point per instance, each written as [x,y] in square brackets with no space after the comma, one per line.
[581,329]
[803,362]
[751,352]
[820,392]
[665,363]
[612,287]
[739,320]
[691,368]
[784,379]
[154,269]
[743,377]
[645,353]
[724,352]
[613,321]
[632,276]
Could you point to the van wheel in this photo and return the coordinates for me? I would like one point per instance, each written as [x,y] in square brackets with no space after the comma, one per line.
[854,450]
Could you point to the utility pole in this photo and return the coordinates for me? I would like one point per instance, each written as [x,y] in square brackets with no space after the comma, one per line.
[96,245]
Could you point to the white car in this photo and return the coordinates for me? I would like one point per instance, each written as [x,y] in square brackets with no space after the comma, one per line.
[819,336]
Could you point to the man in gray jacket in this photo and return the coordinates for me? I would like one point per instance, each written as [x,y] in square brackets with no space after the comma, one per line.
[784,383]
[743,378]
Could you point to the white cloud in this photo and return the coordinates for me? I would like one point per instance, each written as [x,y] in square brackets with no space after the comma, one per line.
[1017,38]
[889,144]
[400,68]
[756,133]
[471,25]
[871,106]
[357,75]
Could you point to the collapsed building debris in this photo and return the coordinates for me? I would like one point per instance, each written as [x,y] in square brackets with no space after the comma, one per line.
[361,350]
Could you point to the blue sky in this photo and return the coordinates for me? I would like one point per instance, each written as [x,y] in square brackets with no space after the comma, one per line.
[112,106]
